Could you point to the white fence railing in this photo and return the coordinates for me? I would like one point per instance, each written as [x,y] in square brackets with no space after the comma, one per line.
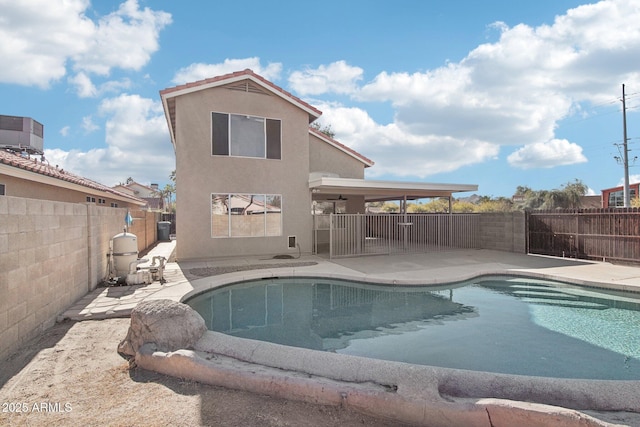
[345,235]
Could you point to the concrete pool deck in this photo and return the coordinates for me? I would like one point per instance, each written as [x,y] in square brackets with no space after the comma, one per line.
[420,395]
[428,268]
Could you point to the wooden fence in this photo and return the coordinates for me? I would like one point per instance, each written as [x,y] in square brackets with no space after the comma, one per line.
[601,234]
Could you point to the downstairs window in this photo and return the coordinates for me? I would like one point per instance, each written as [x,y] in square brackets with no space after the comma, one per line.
[246,215]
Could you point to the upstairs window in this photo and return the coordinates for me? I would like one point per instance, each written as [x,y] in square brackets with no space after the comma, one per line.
[245,136]
[1,189]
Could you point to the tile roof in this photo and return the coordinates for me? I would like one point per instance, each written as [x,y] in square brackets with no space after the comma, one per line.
[34,165]
[234,76]
[368,162]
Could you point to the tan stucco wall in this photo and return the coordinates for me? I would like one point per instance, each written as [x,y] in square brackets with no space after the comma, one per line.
[325,158]
[18,187]
[198,173]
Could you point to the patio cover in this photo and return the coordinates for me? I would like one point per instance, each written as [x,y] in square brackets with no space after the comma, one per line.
[325,187]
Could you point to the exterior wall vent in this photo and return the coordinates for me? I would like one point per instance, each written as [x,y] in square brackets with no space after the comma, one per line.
[292,242]
[21,134]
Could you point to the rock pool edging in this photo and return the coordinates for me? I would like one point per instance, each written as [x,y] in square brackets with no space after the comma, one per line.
[418,395]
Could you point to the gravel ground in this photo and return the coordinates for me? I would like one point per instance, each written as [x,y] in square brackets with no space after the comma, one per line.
[71,375]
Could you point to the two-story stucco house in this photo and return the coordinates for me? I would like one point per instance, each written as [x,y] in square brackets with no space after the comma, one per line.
[250,172]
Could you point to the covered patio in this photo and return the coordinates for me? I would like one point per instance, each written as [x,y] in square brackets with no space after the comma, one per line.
[346,229]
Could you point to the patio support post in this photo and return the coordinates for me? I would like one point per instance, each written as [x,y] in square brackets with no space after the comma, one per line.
[330,236]
[359,235]
[404,226]
[388,218]
[404,208]
[450,221]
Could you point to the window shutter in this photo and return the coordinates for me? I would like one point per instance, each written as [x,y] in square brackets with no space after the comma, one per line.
[274,145]
[220,134]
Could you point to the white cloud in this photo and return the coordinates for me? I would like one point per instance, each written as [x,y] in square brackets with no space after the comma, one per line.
[83,85]
[137,140]
[200,71]
[337,77]
[513,91]
[39,38]
[401,153]
[85,88]
[549,154]
[632,180]
[65,131]
[88,125]
[123,39]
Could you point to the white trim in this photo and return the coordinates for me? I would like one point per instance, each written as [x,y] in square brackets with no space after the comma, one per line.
[167,116]
[333,185]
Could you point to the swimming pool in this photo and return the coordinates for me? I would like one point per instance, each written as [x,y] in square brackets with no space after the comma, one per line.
[503,325]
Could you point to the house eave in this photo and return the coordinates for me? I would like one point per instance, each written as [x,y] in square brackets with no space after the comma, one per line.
[385,190]
[223,82]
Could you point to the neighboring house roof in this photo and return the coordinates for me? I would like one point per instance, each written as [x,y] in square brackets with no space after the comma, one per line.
[141,190]
[241,203]
[619,188]
[326,138]
[168,95]
[34,170]
[124,189]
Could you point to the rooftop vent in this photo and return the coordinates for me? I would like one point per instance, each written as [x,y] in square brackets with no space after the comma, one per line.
[21,134]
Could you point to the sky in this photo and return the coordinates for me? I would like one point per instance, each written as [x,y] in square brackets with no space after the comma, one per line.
[495,93]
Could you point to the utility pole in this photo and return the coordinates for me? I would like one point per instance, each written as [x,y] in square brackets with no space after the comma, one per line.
[627,200]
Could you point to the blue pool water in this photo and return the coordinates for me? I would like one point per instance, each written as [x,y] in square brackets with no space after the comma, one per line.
[506,325]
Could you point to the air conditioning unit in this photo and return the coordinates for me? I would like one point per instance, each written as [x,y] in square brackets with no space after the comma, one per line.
[21,134]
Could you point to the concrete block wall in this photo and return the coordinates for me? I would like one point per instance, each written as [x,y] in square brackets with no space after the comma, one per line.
[503,231]
[51,254]
[145,227]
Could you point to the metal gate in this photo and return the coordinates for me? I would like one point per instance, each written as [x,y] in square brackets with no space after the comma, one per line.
[346,235]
